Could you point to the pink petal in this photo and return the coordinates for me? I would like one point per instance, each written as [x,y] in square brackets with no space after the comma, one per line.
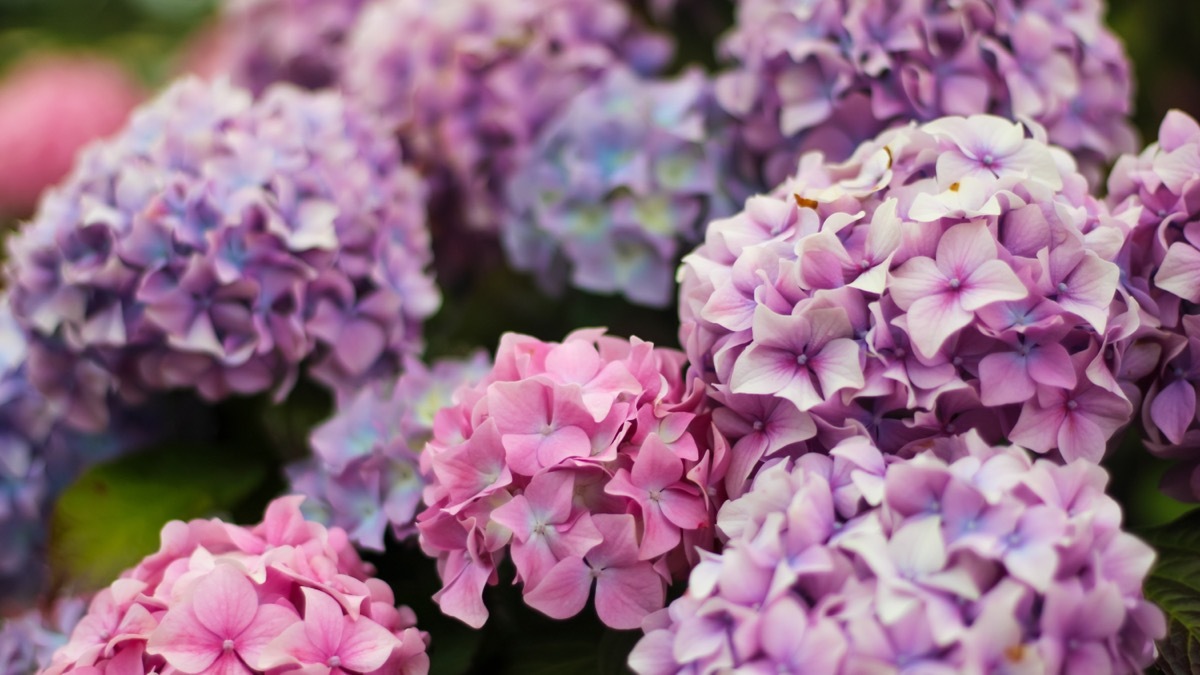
[322,621]
[625,595]
[686,510]
[462,595]
[228,664]
[225,601]
[1180,272]
[562,444]
[838,367]
[932,320]
[517,516]
[184,642]
[366,645]
[655,466]
[359,345]
[270,622]
[993,281]
[1051,365]
[965,248]
[918,278]
[564,590]
[1080,437]
[1037,428]
[289,647]
[1003,379]
[1174,409]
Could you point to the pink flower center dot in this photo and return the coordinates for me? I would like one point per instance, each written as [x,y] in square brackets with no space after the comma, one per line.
[758,425]
[1062,287]
[1072,404]
[227,646]
[802,359]
[334,662]
[955,283]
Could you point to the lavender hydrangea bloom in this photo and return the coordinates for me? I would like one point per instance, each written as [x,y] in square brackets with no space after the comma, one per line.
[628,171]
[828,74]
[950,276]
[296,41]
[473,82]
[962,558]
[1158,192]
[28,641]
[217,244]
[364,475]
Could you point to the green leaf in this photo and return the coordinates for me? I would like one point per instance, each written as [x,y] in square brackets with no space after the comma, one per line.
[111,517]
[1174,585]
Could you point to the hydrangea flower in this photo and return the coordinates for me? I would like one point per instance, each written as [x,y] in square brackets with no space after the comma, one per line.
[629,170]
[217,244]
[950,276]
[40,456]
[301,42]
[364,475]
[286,595]
[1157,192]
[828,74]
[50,107]
[964,558]
[28,641]
[587,461]
[473,82]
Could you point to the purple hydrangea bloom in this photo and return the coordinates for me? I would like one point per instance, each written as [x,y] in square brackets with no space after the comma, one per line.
[364,475]
[962,558]
[629,170]
[949,276]
[218,243]
[296,41]
[28,641]
[829,74]
[1158,192]
[473,82]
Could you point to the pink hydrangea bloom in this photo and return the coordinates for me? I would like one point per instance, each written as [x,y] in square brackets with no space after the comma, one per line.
[588,461]
[287,595]
[949,276]
[964,558]
[50,107]
[1158,192]
[827,74]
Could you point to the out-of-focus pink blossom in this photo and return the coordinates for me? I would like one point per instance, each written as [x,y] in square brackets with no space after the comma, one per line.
[50,107]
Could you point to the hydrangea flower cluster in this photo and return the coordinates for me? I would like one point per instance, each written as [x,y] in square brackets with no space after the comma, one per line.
[615,183]
[1158,191]
[588,461]
[50,107]
[28,641]
[219,243]
[39,457]
[950,276]
[963,558]
[284,596]
[301,42]
[829,74]
[364,475]
[473,82]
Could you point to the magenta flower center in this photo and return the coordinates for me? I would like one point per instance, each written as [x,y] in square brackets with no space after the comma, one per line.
[1072,404]
[655,495]
[227,646]
[802,359]
[758,425]
[955,283]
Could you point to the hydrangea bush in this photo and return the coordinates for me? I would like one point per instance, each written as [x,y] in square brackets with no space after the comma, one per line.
[473,82]
[588,462]
[949,276]
[364,475]
[287,595]
[629,171]
[219,243]
[963,558]
[829,74]
[1158,191]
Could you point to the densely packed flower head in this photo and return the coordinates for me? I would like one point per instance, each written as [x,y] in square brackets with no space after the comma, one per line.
[50,107]
[297,41]
[627,172]
[39,457]
[1157,191]
[964,558]
[829,74]
[286,595]
[28,641]
[473,82]
[950,276]
[364,475]
[219,243]
[588,462]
